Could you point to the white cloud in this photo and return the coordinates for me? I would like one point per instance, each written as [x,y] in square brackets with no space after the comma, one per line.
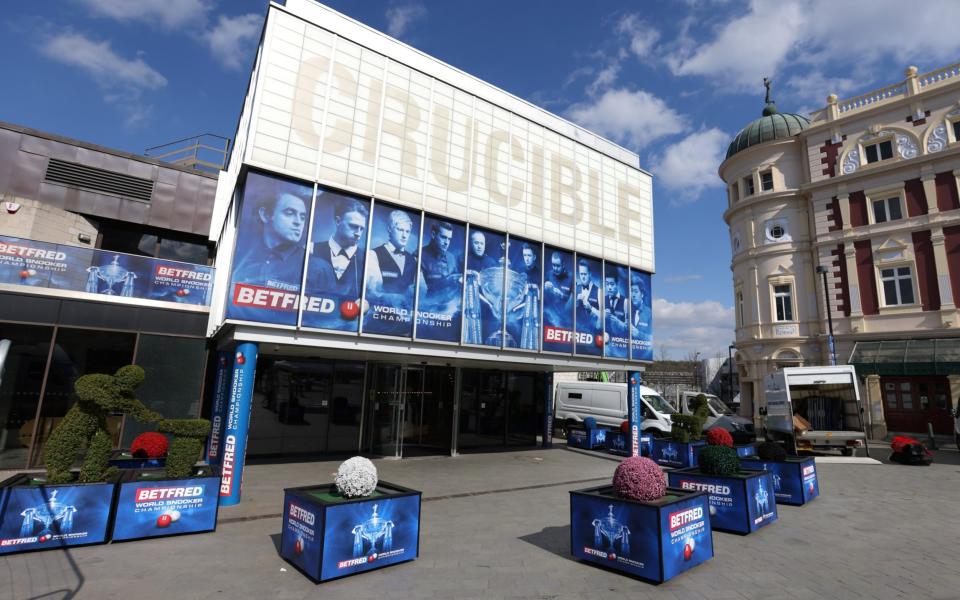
[814,86]
[689,167]
[167,14]
[604,79]
[682,328]
[635,118]
[683,278]
[400,17]
[642,36]
[231,40]
[122,80]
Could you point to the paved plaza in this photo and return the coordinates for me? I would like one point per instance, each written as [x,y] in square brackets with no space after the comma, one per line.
[497,526]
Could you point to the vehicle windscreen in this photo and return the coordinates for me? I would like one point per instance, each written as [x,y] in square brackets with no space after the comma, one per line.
[659,404]
[717,405]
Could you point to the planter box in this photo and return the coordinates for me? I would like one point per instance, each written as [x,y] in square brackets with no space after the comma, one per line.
[38,516]
[587,438]
[676,455]
[740,503]
[327,536]
[150,505]
[655,541]
[619,443]
[794,480]
[122,459]
[745,450]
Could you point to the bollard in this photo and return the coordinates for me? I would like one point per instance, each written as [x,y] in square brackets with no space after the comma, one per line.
[931,440]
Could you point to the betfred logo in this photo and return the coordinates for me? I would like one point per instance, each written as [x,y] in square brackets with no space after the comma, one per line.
[809,470]
[683,517]
[557,334]
[178,273]
[301,514]
[594,552]
[264,297]
[19,541]
[353,562]
[167,493]
[720,490]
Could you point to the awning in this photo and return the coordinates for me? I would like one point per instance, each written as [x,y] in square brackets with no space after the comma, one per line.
[907,357]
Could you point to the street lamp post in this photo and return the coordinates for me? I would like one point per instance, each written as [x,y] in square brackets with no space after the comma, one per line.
[826,299]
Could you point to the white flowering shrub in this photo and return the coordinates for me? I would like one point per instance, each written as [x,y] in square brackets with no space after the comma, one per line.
[356,477]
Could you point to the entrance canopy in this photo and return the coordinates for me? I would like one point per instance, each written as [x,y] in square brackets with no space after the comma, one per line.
[907,357]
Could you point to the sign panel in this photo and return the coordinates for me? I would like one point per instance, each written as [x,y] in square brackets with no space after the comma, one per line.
[616,307]
[440,298]
[641,316]
[39,518]
[522,290]
[302,534]
[558,286]
[335,267]
[166,507]
[589,306]
[237,423]
[392,272]
[62,267]
[270,248]
[483,296]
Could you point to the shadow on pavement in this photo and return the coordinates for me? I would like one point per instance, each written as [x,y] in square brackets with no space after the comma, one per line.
[555,540]
[275,538]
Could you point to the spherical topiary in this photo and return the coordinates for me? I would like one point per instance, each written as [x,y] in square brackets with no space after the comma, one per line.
[356,477]
[717,436]
[625,427]
[719,460]
[590,423]
[150,445]
[639,478]
[771,451]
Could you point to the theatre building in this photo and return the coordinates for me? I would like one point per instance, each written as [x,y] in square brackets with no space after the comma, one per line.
[407,253]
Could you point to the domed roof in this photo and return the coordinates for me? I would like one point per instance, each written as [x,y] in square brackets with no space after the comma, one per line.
[773,125]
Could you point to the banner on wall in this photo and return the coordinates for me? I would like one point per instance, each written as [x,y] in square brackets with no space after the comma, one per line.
[588,302]
[270,249]
[641,316]
[522,291]
[335,267]
[616,307]
[483,294]
[440,296]
[392,272]
[62,267]
[558,286]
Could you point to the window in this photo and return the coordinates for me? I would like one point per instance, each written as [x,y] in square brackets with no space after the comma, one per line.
[748,186]
[906,395]
[890,393]
[740,309]
[766,181]
[574,396]
[897,286]
[956,130]
[117,236]
[887,210]
[783,299]
[878,151]
[777,231]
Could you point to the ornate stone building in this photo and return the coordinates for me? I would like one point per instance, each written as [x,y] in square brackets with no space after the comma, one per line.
[862,197]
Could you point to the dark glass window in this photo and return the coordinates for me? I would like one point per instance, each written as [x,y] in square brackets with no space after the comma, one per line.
[880,151]
[117,236]
[23,356]
[956,130]
[879,211]
[766,181]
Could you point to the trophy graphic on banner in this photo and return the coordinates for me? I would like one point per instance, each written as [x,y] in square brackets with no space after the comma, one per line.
[111,275]
[495,287]
[45,515]
[611,530]
[763,502]
[530,324]
[372,530]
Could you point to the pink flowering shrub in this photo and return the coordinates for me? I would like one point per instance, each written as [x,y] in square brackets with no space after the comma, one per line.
[639,478]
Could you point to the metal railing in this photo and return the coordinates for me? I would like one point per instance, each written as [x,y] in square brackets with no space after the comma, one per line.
[205,152]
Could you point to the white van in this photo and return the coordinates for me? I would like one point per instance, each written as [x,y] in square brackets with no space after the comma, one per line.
[607,403]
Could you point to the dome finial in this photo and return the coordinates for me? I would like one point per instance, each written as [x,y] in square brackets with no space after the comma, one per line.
[771,106]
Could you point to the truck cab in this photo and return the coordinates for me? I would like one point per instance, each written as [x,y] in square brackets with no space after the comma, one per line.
[721,416]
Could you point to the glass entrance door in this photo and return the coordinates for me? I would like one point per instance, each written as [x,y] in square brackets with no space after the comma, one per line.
[385,399]
[411,410]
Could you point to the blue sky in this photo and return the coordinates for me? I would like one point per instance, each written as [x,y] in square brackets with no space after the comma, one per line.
[672,80]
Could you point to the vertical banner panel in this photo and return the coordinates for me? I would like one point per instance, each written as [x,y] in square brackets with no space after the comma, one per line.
[218,411]
[558,286]
[483,297]
[641,316]
[237,423]
[392,271]
[522,292]
[589,311]
[270,250]
[616,307]
[440,296]
[335,267]
[547,441]
[634,412]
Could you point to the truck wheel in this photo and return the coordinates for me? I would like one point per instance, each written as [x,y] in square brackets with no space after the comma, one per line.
[846,451]
[567,426]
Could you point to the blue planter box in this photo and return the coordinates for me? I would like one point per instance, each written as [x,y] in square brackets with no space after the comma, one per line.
[151,505]
[37,516]
[587,438]
[122,459]
[619,443]
[740,503]
[655,541]
[676,455]
[794,480]
[745,450]
[328,537]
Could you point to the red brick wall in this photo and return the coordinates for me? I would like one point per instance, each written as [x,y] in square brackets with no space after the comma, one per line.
[946,191]
[841,263]
[858,209]
[866,277]
[916,199]
[951,243]
[829,162]
[926,271]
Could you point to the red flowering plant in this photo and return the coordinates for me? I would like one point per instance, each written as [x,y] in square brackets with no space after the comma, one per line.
[719,437]
[150,445]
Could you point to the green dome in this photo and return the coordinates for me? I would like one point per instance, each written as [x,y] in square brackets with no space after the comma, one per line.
[773,125]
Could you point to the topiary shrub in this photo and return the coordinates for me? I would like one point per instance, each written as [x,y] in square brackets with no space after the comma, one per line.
[188,437]
[719,460]
[717,436]
[150,445]
[691,425]
[590,423]
[625,427]
[639,478]
[699,406]
[356,477]
[771,451]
